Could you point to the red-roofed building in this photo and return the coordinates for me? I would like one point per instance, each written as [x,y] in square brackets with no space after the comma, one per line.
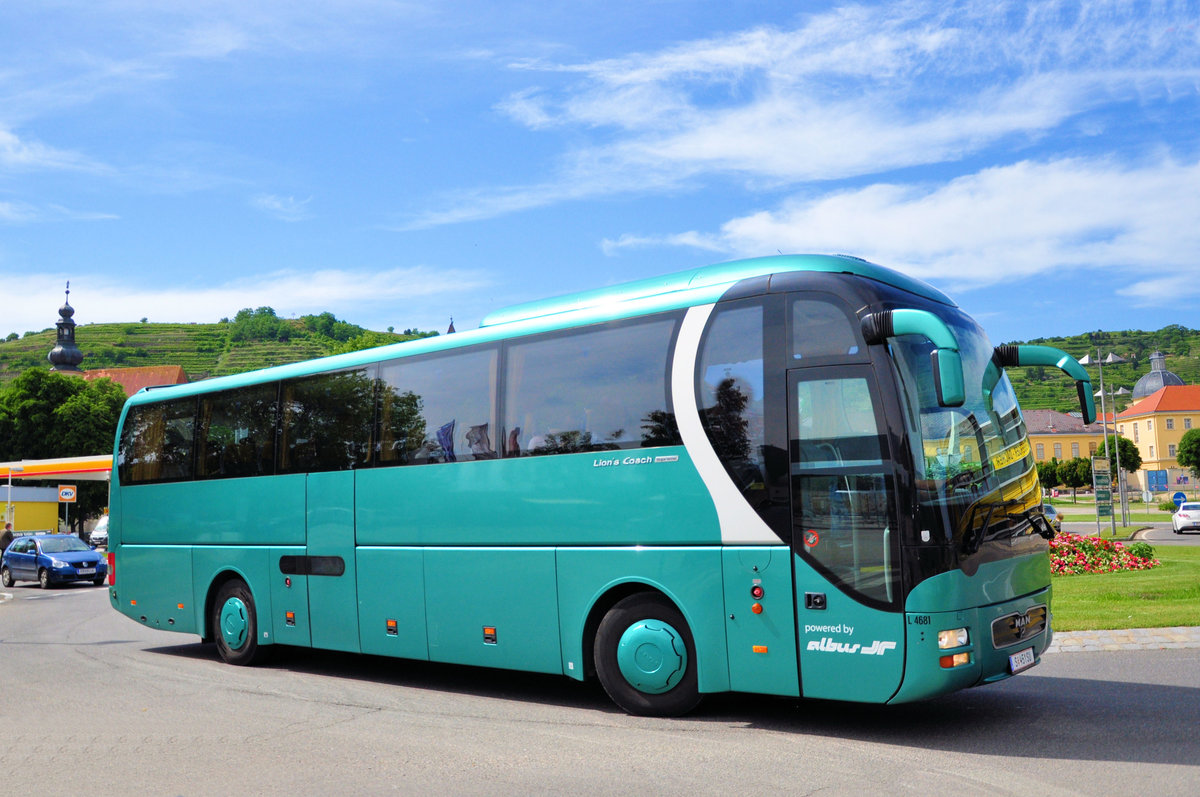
[134,379]
[1156,424]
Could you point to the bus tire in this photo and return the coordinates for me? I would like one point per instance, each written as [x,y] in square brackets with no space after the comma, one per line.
[646,658]
[234,624]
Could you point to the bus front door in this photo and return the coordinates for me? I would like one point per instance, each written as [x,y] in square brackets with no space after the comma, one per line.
[332,583]
[849,624]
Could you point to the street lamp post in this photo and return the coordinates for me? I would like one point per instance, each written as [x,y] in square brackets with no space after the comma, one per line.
[1112,398]
[10,515]
[1112,359]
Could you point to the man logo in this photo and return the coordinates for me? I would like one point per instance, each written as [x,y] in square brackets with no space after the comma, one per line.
[1020,625]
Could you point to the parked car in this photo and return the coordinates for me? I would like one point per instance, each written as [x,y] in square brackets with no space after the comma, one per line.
[1186,517]
[1052,517]
[99,535]
[51,559]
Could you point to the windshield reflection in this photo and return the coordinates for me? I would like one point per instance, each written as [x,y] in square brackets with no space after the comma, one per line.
[973,466]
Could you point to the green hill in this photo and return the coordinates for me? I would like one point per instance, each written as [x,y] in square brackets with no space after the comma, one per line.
[1048,388]
[253,339]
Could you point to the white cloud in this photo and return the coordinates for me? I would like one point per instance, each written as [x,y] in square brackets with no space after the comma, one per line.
[374,298]
[284,208]
[23,155]
[998,224]
[852,92]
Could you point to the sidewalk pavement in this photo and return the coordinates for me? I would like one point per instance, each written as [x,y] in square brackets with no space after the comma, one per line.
[1129,639]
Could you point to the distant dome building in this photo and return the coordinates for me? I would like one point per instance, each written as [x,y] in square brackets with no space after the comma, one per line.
[1158,378]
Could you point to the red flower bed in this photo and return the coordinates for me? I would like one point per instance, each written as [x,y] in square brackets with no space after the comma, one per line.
[1071,555]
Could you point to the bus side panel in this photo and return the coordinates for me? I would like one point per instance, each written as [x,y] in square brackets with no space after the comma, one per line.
[391,587]
[493,607]
[259,511]
[289,596]
[848,651]
[762,645]
[690,577]
[648,496]
[251,564]
[154,587]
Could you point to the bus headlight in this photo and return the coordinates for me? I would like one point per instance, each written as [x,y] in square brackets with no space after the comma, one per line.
[953,638]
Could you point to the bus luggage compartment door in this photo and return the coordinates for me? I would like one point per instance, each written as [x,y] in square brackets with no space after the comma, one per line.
[332,590]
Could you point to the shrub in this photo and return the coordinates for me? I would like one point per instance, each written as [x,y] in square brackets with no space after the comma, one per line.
[1142,550]
[1071,555]
[1167,506]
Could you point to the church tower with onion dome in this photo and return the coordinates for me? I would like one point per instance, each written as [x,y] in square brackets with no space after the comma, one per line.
[65,356]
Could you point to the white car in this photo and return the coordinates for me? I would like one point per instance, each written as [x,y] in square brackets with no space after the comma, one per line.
[99,535]
[1186,517]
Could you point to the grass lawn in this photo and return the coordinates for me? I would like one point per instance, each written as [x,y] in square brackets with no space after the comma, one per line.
[1166,596]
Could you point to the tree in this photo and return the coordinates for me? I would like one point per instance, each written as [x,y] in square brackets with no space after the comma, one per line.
[260,324]
[1048,474]
[1188,453]
[1075,473]
[45,415]
[1131,458]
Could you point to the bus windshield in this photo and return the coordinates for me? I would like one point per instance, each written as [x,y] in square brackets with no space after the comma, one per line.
[972,464]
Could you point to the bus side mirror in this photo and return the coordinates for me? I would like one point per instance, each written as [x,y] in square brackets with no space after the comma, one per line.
[1007,356]
[946,361]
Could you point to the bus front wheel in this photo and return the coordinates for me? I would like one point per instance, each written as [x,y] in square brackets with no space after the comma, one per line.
[646,658]
[234,624]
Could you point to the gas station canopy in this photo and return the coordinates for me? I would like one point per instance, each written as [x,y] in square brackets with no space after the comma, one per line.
[96,468]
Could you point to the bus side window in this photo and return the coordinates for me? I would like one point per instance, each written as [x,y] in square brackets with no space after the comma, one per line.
[821,329]
[156,442]
[437,409]
[236,434]
[599,389]
[730,392]
[327,422]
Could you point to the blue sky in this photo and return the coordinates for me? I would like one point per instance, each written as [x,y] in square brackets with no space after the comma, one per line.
[399,163]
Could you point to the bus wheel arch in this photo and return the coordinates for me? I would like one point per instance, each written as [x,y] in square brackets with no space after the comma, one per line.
[232,621]
[644,655]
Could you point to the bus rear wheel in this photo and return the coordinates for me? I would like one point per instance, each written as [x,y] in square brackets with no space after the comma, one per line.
[646,658]
[234,624]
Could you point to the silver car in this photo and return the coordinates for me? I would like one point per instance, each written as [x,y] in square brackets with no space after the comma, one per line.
[99,535]
[1186,517]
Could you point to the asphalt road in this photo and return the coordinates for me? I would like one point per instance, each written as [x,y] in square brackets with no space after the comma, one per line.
[1154,533]
[91,702]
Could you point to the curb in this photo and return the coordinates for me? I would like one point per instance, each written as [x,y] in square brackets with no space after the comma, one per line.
[1176,638]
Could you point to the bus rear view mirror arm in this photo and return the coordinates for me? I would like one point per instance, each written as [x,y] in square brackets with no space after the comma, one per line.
[1009,356]
[946,361]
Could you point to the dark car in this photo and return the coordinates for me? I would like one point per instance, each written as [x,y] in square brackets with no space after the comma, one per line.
[51,559]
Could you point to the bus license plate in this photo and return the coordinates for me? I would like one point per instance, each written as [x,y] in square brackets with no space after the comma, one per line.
[87,571]
[1021,660]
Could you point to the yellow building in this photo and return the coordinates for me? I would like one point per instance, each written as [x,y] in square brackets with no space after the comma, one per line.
[1057,435]
[1156,424]
[33,508]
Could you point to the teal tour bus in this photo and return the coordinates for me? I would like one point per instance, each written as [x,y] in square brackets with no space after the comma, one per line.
[797,475]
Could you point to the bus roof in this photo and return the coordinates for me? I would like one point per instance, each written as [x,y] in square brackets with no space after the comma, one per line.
[709,276]
[669,292]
